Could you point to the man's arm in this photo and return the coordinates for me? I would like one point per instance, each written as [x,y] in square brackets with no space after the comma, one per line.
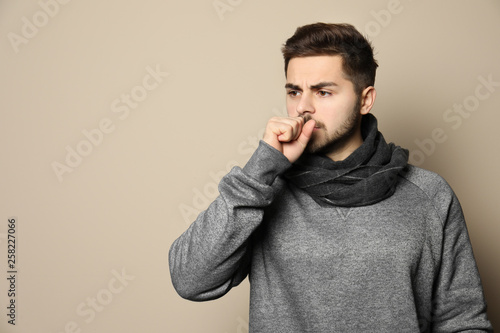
[459,304]
[213,255]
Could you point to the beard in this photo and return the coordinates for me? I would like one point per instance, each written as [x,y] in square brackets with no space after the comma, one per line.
[331,142]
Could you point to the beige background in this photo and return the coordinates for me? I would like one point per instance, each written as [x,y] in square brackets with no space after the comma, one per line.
[137,188]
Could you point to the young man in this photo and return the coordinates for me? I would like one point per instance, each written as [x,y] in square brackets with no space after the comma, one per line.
[335,230]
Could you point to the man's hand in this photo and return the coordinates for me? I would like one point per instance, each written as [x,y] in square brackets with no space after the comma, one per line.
[289,135]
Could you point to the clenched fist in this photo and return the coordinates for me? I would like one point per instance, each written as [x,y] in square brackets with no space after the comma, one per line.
[289,135]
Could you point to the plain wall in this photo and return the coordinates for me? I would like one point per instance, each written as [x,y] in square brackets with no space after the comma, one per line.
[104,164]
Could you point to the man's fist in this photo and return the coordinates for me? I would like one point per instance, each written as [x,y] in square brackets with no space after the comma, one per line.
[289,135]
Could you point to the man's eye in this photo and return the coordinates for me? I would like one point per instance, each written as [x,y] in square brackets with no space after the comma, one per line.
[293,93]
[323,93]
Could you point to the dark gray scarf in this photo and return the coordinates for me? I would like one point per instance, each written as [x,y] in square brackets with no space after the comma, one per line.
[368,175]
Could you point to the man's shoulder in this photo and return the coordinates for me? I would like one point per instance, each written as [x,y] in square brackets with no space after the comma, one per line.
[429,188]
[431,183]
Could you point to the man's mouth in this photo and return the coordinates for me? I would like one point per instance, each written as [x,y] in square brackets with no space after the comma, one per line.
[317,126]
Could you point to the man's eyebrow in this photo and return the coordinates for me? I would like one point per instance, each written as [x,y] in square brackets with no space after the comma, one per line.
[292,86]
[313,87]
[323,85]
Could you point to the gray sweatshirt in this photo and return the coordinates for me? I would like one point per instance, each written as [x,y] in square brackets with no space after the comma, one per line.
[404,264]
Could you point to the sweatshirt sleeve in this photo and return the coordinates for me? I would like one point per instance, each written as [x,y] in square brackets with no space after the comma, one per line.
[459,304]
[213,254]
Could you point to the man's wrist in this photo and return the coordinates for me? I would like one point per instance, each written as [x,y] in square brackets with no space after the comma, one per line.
[266,163]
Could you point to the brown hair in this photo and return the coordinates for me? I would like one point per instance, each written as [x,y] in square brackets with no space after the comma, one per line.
[359,65]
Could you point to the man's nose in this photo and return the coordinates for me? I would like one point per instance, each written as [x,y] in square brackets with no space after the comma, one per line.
[305,104]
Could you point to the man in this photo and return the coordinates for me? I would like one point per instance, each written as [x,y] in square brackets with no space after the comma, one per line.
[335,230]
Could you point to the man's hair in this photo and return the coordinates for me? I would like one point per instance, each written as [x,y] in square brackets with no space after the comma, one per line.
[358,63]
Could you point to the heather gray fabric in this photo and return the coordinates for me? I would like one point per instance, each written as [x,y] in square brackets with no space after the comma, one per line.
[404,264]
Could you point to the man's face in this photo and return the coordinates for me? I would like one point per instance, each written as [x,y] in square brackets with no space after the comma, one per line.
[317,89]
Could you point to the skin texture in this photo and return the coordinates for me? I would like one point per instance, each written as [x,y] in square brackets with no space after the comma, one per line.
[324,111]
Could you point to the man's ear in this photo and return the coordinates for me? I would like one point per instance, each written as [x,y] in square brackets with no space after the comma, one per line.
[367,99]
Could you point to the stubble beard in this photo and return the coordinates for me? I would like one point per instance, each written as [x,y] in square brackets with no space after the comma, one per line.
[325,143]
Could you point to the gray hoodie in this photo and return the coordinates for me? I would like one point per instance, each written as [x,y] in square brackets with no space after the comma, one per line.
[404,264]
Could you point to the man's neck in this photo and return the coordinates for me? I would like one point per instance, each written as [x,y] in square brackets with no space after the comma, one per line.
[346,148]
